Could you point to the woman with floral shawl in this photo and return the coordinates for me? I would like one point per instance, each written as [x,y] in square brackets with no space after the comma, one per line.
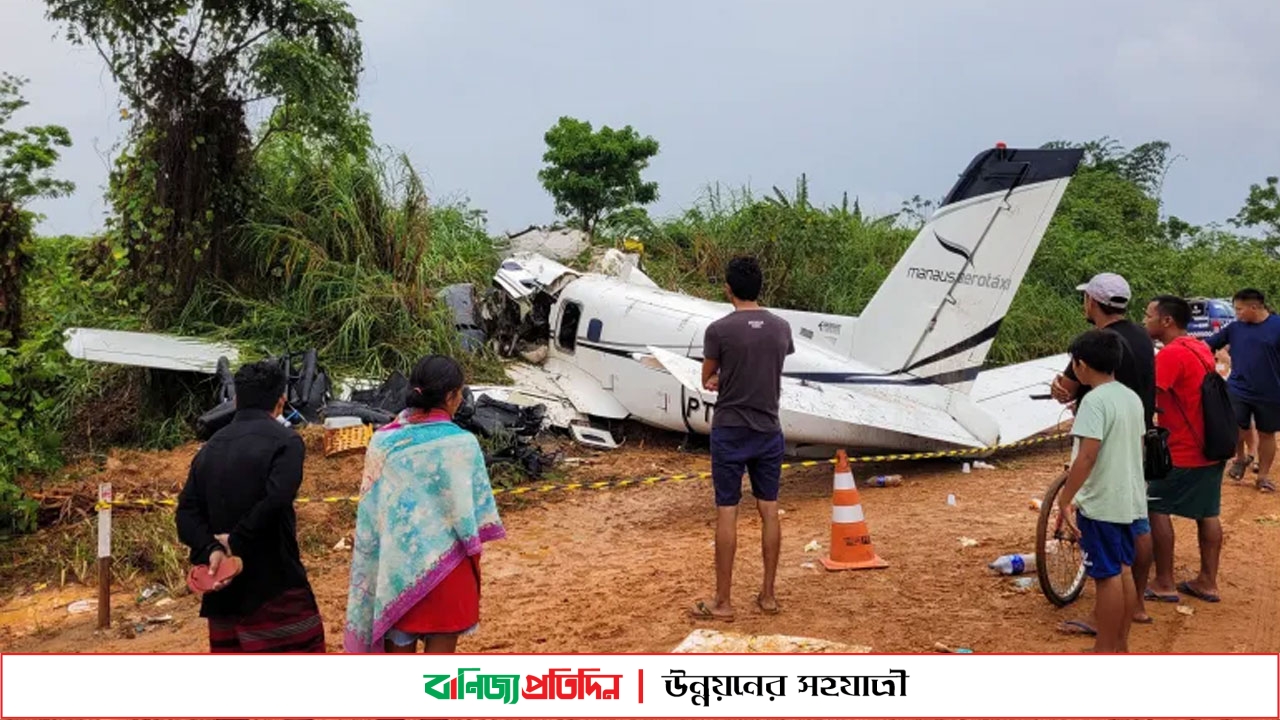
[426,507]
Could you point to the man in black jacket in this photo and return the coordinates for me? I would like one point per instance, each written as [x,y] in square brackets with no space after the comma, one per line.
[238,501]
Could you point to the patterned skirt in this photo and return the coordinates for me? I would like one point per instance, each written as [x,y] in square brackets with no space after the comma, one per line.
[288,624]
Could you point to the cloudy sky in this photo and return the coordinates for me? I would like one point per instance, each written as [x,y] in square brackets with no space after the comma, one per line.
[881,99]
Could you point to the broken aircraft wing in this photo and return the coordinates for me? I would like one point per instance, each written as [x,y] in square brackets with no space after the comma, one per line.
[149,350]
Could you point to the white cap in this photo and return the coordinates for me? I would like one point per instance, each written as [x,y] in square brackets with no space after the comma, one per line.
[1108,289]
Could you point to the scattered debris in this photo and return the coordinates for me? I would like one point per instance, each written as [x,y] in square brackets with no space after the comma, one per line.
[461,301]
[306,392]
[152,592]
[593,437]
[880,481]
[1023,584]
[951,500]
[965,468]
[808,566]
[944,648]
[979,465]
[342,544]
[813,546]
[164,602]
[781,512]
[1036,504]
[81,607]
[1186,610]
[557,243]
[1014,564]
[967,542]
[1268,519]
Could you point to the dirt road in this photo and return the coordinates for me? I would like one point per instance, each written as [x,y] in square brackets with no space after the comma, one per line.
[616,571]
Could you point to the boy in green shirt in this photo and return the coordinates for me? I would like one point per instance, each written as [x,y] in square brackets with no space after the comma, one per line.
[1105,490]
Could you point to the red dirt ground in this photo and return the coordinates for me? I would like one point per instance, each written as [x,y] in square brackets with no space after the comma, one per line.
[615,570]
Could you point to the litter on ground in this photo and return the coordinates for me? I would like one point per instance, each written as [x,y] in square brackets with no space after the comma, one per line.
[80,607]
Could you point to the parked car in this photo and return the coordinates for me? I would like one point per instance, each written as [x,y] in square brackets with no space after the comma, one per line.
[1209,315]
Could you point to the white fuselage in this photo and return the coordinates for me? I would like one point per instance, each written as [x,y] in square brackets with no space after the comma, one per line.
[617,321]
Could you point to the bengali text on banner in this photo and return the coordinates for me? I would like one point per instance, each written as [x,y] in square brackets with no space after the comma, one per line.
[673,685]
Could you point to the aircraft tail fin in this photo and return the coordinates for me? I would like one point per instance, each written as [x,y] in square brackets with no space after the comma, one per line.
[939,310]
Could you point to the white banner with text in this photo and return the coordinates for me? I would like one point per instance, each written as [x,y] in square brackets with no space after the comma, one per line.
[671,685]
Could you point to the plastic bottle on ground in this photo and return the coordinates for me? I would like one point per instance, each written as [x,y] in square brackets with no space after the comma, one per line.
[1014,564]
[883,481]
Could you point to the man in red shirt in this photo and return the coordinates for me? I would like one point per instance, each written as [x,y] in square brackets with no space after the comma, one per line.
[1194,488]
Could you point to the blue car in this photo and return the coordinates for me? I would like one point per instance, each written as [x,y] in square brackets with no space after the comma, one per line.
[1209,315]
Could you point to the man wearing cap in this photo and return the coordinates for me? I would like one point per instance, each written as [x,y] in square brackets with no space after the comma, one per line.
[1106,300]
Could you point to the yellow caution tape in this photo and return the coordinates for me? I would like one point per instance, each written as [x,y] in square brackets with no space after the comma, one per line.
[544,488]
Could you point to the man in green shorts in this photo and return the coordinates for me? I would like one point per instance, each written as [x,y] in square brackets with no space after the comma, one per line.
[1194,488]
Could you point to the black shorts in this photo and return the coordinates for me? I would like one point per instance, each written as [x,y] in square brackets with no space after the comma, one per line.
[735,450]
[1250,412]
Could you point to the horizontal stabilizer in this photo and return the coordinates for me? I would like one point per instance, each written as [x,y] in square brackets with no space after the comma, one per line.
[149,350]
[1005,393]
[826,414]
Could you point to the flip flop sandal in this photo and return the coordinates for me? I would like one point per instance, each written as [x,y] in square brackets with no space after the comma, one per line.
[1076,627]
[1147,621]
[767,611]
[200,581]
[1152,595]
[1265,485]
[1185,588]
[702,611]
[1237,468]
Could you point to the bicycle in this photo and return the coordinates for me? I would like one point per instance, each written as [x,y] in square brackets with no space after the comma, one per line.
[1059,559]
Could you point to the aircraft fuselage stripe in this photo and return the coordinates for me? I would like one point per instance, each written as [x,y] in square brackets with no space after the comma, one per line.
[832,378]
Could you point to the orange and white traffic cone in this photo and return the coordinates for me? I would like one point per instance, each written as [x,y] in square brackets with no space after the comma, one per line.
[851,547]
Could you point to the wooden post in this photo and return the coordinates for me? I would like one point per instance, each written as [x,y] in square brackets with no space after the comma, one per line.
[104,555]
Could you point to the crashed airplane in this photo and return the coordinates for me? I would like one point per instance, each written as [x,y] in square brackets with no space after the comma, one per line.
[907,375]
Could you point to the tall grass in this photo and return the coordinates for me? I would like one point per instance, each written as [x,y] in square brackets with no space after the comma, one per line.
[345,254]
[823,259]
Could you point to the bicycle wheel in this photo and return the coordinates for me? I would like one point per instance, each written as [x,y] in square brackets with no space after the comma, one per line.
[1059,560]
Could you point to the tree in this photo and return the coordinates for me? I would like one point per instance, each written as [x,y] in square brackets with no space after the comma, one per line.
[1262,210]
[1144,165]
[26,156]
[594,174]
[191,71]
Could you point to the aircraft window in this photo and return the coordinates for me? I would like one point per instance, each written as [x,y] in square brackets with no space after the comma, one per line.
[593,329]
[569,317]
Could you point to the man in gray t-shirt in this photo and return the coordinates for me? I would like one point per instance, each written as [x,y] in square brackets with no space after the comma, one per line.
[743,357]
